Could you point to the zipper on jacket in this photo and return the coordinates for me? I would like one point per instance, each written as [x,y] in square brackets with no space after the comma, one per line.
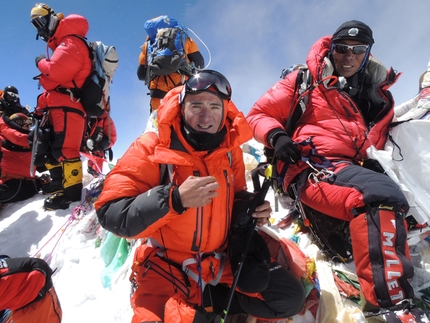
[356,109]
[197,237]
[211,266]
[227,211]
[352,103]
[147,267]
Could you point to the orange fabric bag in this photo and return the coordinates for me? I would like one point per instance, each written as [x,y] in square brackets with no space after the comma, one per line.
[44,310]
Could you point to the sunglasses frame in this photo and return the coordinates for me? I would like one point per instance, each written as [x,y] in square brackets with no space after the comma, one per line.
[350,47]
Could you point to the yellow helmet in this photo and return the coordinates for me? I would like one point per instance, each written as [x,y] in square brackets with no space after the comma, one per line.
[40,10]
[44,19]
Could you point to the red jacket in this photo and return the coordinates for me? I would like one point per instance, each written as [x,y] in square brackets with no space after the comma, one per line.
[69,62]
[134,204]
[16,152]
[331,117]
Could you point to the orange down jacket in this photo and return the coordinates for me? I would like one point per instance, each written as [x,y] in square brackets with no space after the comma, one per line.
[134,203]
[332,117]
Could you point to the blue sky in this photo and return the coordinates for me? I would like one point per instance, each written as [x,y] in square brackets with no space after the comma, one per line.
[250,41]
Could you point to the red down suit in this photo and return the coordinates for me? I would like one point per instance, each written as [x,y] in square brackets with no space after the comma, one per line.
[69,62]
[340,133]
[15,157]
[16,183]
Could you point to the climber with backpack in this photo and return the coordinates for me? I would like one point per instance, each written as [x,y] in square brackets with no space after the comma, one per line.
[168,57]
[61,114]
[348,109]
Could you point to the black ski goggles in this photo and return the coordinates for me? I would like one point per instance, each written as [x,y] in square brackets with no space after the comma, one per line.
[356,49]
[40,22]
[204,80]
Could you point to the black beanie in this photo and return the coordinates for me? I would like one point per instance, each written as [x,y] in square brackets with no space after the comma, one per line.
[354,30]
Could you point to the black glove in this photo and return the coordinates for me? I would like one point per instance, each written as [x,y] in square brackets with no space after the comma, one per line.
[39,58]
[104,143]
[31,136]
[37,115]
[286,150]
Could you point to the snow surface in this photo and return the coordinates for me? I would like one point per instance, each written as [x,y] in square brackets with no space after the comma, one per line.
[67,239]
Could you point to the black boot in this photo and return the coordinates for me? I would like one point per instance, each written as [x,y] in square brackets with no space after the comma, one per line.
[57,201]
[71,173]
[56,183]
[52,188]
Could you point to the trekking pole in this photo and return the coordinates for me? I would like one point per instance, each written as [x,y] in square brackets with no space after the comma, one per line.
[257,201]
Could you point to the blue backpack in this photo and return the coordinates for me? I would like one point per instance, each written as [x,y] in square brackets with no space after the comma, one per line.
[165,47]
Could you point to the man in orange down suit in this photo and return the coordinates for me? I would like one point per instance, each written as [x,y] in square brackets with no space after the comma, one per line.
[183,211]
[66,69]
[160,85]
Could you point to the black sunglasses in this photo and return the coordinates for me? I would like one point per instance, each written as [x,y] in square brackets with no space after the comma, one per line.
[204,80]
[356,49]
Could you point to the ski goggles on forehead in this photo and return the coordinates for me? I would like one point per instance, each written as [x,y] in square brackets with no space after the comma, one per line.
[203,81]
[356,49]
